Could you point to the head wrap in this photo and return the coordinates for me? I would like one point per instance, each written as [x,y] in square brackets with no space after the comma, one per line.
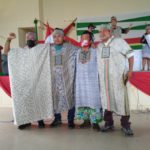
[105,26]
[148,27]
[58,31]
[113,18]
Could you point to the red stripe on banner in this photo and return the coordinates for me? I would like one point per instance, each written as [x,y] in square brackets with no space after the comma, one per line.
[133,40]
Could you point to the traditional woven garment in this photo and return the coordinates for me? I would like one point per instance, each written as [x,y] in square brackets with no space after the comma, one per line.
[111,69]
[87,92]
[30,77]
[63,74]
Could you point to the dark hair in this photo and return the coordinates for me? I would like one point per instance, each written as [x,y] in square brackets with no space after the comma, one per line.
[91,25]
[59,29]
[89,33]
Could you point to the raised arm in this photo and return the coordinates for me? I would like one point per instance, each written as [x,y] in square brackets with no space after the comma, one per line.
[10,37]
[67,29]
[126,30]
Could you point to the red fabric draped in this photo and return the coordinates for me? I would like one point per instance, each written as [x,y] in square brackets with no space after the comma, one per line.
[49,30]
[141,80]
[5,84]
[68,28]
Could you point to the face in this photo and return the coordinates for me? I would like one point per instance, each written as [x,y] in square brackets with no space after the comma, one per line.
[105,34]
[148,31]
[85,37]
[85,41]
[113,22]
[90,29]
[58,39]
[31,43]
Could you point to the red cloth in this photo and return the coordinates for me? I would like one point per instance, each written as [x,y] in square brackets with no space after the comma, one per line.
[68,28]
[141,80]
[5,84]
[49,30]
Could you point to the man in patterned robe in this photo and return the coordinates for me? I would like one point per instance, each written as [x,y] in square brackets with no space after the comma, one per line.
[63,73]
[30,43]
[111,56]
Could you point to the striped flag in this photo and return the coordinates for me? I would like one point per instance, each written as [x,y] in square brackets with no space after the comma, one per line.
[138,20]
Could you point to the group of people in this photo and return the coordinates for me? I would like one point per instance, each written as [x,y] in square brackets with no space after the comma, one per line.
[87,81]
[117,31]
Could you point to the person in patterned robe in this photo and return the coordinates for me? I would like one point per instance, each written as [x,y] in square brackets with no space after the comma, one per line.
[112,54]
[30,43]
[87,91]
[63,70]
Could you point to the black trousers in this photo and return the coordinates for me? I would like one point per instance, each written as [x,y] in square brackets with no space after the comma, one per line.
[71,115]
[108,118]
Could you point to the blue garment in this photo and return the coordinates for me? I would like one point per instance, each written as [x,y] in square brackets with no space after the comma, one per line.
[58,48]
[4,64]
[87,91]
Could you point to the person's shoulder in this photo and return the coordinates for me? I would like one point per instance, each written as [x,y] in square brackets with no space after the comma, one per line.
[70,46]
[120,42]
[93,49]
[41,45]
[119,27]
[100,45]
[118,39]
[67,44]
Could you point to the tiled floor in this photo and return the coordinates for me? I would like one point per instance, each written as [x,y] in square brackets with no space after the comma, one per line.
[63,138]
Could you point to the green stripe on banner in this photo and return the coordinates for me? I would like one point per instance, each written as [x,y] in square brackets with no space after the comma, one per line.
[79,32]
[85,24]
[141,27]
[144,18]
[136,47]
